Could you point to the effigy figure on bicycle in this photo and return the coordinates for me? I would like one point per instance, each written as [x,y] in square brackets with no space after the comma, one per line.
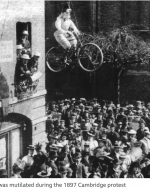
[63,34]
[72,48]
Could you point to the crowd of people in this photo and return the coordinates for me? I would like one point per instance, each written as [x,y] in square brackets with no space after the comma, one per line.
[26,66]
[87,139]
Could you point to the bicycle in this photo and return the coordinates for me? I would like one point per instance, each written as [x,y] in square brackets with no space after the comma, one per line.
[89,57]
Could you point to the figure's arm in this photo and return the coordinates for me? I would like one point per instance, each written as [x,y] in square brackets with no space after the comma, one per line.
[58,25]
[72,25]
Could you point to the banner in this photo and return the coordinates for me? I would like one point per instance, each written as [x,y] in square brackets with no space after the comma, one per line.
[6,51]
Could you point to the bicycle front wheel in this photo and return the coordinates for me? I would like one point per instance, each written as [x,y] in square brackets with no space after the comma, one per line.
[90,57]
[55,59]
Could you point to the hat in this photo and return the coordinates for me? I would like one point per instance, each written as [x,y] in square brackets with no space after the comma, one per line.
[45,173]
[66,100]
[38,146]
[37,54]
[130,106]
[95,124]
[78,155]
[52,136]
[117,145]
[66,8]
[147,132]
[30,147]
[19,47]
[25,56]
[71,126]
[132,132]
[53,154]
[81,106]
[104,108]
[78,109]
[146,110]
[146,129]
[120,122]
[73,99]
[25,32]
[118,106]
[124,131]
[73,114]
[83,99]
[121,110]
[63,169]
[122,156]
[95,99]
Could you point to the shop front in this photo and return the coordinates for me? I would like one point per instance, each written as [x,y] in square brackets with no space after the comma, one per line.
[10,145]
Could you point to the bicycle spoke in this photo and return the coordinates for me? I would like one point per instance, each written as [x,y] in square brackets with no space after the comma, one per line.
[54,59]
[90,57]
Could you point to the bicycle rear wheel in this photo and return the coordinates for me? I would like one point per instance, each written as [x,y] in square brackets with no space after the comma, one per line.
[55,59]
[90,57]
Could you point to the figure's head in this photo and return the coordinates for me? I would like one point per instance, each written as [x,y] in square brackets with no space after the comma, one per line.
[36,56]
[19,50]
[78,157]
[66,12]
[30,149]
[24,34]
[25,58]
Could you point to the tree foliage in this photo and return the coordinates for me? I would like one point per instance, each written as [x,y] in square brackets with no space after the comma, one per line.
[4,88]
[121,47]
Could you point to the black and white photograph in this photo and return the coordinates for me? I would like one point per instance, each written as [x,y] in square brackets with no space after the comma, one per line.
[74,89]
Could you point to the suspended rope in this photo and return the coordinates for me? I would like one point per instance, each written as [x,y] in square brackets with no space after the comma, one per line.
[4,21]
[76,22]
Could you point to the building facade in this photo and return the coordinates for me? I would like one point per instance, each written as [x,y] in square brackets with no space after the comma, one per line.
[99,16]
[24,121]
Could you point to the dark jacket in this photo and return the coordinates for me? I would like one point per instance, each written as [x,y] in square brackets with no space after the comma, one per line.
[113,174]
[78,171]
[113,136]
[140,134]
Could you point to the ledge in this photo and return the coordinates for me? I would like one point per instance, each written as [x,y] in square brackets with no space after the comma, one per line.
[146,73]
[8,126]
[37,94]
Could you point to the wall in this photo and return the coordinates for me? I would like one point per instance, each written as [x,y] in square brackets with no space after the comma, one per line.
[24,11]
[111,14]
[33,11]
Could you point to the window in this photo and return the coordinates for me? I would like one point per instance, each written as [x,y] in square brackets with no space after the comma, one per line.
[23,32]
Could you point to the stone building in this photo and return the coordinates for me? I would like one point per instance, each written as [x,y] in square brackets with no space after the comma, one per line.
[24,121]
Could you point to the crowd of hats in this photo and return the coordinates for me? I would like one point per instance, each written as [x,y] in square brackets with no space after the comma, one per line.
[72,122]
[103,116]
